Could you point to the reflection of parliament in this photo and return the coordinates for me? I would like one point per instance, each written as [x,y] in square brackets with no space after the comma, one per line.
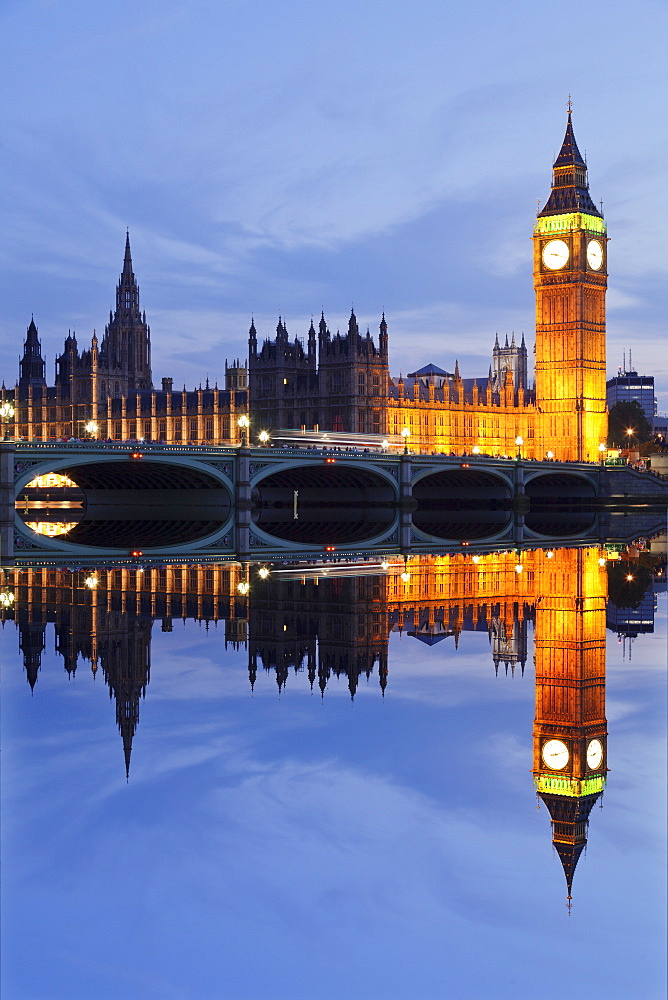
[335,629]
[341,382]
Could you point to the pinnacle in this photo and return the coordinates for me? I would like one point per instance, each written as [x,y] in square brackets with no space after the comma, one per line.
[127,261]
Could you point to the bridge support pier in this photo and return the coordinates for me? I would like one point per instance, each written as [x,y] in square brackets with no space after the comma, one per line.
[243,502]
[405,502]
[7,450]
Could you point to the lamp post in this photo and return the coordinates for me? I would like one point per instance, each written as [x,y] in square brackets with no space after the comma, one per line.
[7,412]
[630,431]
[405,433]
[91,428]
[476,450]
[601,451]
[263,438]
[244,424]
[519,441]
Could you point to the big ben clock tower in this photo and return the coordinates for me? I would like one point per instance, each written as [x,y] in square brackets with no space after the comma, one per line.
[570,279]
[570,732]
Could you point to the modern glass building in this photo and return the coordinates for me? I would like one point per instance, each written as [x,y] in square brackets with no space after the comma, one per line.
[627,386]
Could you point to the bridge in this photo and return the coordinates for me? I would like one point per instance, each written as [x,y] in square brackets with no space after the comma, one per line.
[256,501]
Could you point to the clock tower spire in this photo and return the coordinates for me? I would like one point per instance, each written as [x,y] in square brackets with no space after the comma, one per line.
[570,280]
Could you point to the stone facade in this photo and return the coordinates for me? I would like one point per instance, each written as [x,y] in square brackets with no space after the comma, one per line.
[106,391]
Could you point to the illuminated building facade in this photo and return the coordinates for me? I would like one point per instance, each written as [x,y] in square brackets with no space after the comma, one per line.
[342,382]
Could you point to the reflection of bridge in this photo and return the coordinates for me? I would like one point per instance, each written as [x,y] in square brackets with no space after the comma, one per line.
[172,499]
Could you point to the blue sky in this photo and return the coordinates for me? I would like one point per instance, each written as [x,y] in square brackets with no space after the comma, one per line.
[288,848]
[282,157]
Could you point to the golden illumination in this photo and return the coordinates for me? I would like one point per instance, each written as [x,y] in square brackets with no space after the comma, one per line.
[51,528]
[52,480]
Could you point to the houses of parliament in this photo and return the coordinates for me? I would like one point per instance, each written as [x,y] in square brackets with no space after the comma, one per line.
[342,382]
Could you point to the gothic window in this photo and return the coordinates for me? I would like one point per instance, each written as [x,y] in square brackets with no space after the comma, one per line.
[209,429]
[360,383]
[177,430]
[117,390]
[376,385]
[163,430]
[337,382]
[127,300]
[118,430]
[147,428]
[193,430]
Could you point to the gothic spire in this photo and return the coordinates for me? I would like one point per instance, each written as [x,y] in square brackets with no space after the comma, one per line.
[570,188]
[127,261]
[570,819]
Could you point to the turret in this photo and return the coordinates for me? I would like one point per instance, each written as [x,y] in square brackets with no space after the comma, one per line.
[32,366]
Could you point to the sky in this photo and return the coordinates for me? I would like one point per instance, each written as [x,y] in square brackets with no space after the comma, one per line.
[282,157]
[287,847]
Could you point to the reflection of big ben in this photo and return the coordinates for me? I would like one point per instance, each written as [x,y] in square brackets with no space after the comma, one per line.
[570,279]
[569,756]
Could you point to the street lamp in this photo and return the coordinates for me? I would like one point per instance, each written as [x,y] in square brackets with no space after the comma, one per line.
[263,438]
[7,412]
[601,449]
[519,441]
[476,450]
[630,431]
[6,597]
[385,444]
[405,433]
[550,455]
[91,428]
[244,424]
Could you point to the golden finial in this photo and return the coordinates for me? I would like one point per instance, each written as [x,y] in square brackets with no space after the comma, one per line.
[569,104]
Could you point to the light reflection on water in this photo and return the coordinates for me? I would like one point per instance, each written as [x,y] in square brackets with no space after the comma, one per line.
[333,778]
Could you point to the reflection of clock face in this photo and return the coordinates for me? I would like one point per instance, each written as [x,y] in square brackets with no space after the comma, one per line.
[556,254]
[555,755]
[594,754]
[594,255]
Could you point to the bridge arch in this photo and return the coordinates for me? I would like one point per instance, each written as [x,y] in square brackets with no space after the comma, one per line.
[322,503]
[145,502]
[562,503]
[462,503]
[561,483]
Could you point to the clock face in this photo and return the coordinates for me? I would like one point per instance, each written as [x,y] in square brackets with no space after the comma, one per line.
[555,755]
[556,254]
[594,754]
[594,255]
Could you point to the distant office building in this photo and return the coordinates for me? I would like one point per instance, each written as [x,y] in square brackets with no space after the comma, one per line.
[660,424]
[627,386]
